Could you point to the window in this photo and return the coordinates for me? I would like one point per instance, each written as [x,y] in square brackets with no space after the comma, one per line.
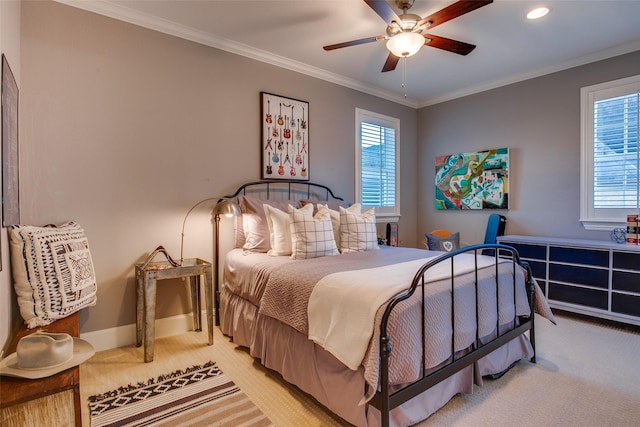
[610,153]
[377,159]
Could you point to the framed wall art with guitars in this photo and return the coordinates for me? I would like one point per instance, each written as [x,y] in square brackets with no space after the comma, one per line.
[284,146]
[474,180]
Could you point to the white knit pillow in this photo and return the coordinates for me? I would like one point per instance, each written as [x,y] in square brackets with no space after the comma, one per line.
[52,272]
[357,231]
[311,236]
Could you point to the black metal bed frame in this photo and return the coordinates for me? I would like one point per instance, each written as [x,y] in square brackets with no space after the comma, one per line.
[291,187]
[384,400]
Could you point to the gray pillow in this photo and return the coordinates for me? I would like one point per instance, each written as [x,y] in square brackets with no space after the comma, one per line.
[446,244]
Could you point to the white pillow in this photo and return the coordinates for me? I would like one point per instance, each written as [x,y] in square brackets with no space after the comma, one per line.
[335,219]
[279,231]
[311,236]
[357,231]
[252,231]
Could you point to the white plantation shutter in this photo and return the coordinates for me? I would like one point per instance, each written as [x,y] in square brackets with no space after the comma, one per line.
[611,153]
[615,152]
[377,162]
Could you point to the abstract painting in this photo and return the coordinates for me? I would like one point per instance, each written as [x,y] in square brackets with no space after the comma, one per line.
[474,180]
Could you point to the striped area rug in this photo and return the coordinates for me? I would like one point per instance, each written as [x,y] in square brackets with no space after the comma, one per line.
[198,396]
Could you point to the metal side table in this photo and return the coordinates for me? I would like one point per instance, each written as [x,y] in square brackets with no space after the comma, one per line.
[147,276]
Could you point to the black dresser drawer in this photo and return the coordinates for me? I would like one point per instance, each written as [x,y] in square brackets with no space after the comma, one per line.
[575,295]
[528,251]
[579,275]
[626,260]
[625,304]
[579,256]
[625,281]
[539,269]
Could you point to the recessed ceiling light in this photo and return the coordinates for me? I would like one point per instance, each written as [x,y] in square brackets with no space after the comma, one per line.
[537,13]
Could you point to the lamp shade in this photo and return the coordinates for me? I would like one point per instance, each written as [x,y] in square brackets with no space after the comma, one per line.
[405,44]
[226,207]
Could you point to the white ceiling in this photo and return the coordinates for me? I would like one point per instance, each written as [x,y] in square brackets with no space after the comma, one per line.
[291,33]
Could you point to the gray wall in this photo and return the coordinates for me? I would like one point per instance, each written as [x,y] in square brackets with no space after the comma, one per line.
[539,121]
[123,129]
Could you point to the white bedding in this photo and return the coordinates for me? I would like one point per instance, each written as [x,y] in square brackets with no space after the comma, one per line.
[353,298]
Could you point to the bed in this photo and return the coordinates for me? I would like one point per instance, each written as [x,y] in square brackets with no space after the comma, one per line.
[378,335]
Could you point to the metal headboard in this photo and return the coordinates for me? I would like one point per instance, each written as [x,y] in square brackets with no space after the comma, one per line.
[286,189]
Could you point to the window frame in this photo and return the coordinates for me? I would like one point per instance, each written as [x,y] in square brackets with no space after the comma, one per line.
[590,217]
[386,214]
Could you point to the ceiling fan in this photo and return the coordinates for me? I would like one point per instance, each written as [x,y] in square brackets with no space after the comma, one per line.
[404,33]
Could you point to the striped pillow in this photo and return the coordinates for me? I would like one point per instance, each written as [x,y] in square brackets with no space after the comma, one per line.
[311,236]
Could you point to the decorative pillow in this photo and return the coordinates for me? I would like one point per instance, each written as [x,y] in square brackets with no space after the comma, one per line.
[311,236]
[52,272]
[254,222]
[446,244]
[279,228]
[335,222]
[331,204]
[357,231]
[335,217]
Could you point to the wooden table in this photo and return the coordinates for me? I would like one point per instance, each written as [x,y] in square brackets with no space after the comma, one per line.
[147,276]
[19,390]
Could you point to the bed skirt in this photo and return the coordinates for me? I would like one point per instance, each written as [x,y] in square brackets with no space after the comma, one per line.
[318,373]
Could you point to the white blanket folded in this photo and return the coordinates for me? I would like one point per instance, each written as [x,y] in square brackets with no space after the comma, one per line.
[343,305]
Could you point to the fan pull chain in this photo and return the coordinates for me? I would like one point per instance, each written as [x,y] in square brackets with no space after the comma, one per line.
[404,75]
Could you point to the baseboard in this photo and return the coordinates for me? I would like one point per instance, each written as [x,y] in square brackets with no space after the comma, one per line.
[123,336]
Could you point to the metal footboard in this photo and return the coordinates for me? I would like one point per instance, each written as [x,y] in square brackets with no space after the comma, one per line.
[385,400]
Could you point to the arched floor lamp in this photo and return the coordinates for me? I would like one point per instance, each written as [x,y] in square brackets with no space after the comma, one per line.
[224,207]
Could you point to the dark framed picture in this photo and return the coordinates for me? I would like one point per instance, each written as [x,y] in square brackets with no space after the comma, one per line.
[284,145]
[10,175]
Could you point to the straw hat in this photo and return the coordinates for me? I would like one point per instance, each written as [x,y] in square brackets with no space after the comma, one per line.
[43,354]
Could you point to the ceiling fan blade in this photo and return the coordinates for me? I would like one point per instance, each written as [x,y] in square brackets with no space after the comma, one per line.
[354,42]
[383,10]
[461,48]
[452,11]
[390,63]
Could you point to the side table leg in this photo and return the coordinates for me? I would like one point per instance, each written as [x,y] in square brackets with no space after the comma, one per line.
[208,295]
[139,307]
[196,306]
[149,315]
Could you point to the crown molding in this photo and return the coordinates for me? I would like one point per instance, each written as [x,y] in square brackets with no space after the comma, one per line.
[576,62]
[130,16]
[125,14]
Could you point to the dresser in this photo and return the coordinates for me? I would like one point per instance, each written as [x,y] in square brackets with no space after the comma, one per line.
[592,277]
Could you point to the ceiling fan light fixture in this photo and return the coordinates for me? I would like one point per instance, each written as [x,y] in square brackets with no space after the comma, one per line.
[405,44]
[537,13]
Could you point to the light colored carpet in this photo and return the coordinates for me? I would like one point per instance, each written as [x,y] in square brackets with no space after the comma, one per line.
[587,375]
[196,396]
